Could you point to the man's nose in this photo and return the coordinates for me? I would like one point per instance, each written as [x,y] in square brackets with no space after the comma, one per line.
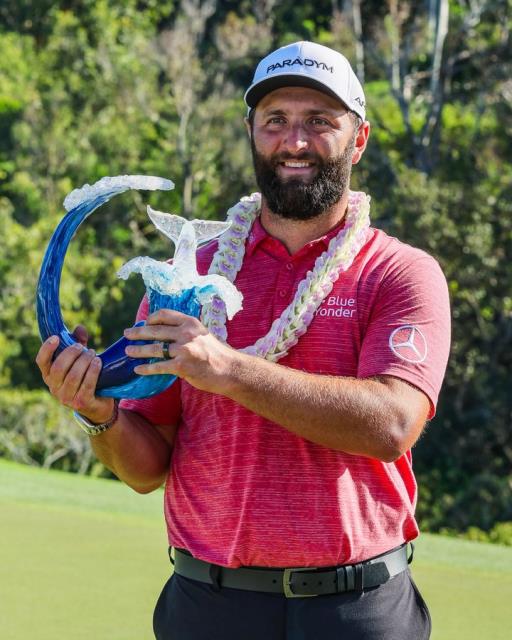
[297,138]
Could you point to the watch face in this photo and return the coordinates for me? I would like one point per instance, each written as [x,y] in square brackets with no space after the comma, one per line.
[89,428]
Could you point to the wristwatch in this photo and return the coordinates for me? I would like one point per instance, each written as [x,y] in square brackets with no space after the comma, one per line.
[92,429]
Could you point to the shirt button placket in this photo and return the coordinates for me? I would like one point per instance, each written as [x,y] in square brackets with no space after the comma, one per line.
[286,281]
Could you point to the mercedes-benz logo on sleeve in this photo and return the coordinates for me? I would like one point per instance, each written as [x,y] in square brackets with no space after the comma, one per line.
[408,343]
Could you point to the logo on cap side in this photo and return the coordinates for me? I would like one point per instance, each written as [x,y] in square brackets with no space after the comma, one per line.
[307,62]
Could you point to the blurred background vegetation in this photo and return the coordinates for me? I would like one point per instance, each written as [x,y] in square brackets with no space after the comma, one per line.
[102,87]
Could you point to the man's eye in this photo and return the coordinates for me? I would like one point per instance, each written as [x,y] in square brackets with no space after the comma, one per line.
[275,120]
[319,122]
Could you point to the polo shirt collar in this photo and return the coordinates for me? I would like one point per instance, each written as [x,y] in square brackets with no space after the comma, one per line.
[258,236]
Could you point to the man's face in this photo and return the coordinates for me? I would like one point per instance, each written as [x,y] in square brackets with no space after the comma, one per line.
[303,146]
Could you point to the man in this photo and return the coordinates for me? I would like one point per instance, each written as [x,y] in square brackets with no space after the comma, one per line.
[287,479]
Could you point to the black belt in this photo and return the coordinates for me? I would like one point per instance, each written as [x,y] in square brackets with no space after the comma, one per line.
[299,582]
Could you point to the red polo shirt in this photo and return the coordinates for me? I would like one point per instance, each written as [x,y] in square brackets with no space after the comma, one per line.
[241,489]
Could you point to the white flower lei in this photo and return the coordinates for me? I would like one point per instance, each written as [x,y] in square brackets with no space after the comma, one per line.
[312,290]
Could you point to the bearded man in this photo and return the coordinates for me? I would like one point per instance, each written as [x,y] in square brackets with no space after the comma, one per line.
[286,449]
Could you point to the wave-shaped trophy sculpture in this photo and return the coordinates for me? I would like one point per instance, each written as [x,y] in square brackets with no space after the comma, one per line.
[172,286]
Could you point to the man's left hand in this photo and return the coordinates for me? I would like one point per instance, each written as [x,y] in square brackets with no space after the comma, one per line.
[195,354]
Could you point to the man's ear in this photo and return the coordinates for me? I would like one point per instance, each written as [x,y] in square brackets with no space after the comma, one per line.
[361,141]
[248,127]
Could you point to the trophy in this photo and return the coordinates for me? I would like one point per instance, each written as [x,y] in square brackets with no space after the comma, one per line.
[172,285]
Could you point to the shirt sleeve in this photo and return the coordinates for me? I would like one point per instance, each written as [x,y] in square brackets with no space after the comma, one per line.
[408,335]
[163,408]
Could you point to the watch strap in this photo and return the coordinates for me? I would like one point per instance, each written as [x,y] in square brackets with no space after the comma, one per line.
[93,429]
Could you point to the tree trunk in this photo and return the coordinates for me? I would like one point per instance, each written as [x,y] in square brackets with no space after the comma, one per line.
[358,32]
[428,134]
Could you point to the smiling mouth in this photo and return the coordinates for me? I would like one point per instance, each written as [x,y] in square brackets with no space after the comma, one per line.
[298,167]
[296,164]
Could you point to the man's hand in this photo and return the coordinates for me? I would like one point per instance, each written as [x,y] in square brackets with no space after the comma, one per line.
[195,354]
[72,377]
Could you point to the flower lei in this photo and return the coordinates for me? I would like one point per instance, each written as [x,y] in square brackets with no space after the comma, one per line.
[312,290]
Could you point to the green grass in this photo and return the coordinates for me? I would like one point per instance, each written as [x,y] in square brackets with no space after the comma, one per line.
[79,557]
[467,586]
[86,558]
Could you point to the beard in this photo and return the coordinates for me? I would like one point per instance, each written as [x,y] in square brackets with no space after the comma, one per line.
[295,199]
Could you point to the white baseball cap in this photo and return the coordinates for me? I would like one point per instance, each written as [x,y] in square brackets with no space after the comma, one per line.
[307,64]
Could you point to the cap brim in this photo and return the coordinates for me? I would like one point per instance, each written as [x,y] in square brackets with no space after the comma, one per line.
[259,90]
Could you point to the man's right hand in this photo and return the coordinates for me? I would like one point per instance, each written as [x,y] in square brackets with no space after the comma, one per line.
[72,377]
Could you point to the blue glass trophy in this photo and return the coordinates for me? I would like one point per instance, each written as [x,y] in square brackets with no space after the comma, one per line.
[175,285]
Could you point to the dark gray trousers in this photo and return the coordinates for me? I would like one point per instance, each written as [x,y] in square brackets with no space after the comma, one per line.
[191,610]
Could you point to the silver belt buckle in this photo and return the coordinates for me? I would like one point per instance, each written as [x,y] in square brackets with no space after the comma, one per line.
[287,587]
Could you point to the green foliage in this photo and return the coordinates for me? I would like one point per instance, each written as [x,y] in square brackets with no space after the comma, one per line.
[501,533]
[36,430]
